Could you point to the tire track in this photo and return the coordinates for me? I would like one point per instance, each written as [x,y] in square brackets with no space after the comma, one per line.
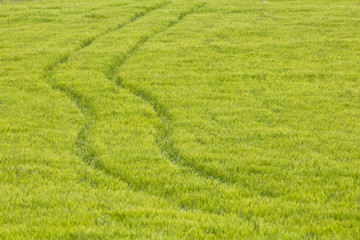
[84,151]
[164,131]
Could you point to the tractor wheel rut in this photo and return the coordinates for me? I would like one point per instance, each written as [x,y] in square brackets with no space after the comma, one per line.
[84,151]
[164,131]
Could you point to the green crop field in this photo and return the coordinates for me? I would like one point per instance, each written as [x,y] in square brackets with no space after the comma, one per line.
[180,119]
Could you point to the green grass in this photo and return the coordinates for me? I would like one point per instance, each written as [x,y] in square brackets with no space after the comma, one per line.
[179,119]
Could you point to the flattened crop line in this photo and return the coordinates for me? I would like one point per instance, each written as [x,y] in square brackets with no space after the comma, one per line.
[85,152]
[85,43]
[163,140]
[111,73]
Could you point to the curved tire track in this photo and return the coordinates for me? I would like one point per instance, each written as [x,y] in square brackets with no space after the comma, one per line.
[163,141]
[84,151]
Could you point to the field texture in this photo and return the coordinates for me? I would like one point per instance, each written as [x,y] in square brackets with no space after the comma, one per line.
[180,119]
